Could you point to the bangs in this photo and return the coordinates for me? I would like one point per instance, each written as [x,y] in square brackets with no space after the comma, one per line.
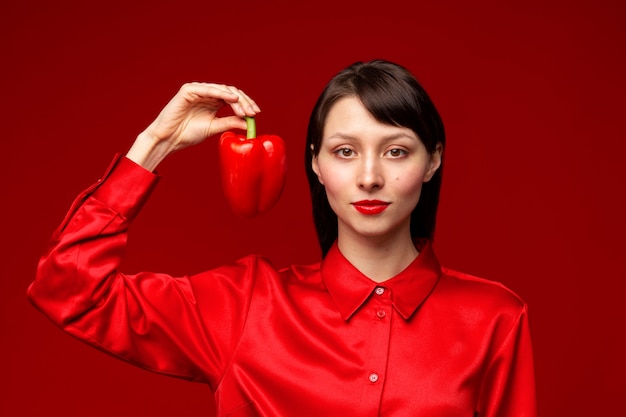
[397,100]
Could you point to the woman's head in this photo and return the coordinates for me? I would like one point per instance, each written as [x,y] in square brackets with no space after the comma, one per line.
[393,97]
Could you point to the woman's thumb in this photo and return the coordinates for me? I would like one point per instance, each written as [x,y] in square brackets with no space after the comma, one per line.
[226,123]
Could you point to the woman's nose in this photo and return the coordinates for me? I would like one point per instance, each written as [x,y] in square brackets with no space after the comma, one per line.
[370,176]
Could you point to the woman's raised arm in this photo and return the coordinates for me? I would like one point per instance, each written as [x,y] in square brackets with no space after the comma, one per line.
[149,319]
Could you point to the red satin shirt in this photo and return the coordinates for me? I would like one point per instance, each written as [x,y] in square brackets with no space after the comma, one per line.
[317,340]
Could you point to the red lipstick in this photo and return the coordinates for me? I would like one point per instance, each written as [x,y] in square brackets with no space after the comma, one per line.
[370,206]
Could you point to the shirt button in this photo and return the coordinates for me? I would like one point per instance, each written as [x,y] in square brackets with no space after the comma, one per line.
[373,377]
[380,290]
[381,314]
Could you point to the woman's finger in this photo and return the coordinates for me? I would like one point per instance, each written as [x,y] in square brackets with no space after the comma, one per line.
[244,103]
[215,95]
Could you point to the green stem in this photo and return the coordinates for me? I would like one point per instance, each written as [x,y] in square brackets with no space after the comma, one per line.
[250,127]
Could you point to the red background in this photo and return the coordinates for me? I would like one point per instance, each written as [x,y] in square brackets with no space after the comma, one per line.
[532,94]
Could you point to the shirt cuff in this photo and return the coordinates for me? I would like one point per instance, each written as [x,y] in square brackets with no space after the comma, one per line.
[125,186]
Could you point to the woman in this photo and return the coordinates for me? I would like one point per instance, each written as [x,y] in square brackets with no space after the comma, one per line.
[378,327]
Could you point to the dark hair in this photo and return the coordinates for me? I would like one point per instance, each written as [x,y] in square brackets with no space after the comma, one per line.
[393,96]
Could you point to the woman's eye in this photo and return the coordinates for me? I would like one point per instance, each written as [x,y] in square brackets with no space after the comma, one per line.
[396,152]
[345,152]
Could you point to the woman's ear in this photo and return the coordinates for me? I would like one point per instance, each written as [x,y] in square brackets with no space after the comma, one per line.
[315,165]
[434,163]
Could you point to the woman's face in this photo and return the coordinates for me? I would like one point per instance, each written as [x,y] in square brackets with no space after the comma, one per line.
[372,172]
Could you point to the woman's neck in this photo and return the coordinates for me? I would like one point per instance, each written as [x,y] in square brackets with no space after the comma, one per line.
[379,258]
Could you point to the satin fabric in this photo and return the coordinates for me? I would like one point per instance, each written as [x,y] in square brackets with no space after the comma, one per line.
[316,340]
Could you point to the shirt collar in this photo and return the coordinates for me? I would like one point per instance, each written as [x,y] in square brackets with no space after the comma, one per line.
[349,288]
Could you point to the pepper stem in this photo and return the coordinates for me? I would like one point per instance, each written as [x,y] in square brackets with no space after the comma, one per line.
[250,127]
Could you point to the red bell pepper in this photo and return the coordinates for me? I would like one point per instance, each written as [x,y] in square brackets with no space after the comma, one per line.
[253,170]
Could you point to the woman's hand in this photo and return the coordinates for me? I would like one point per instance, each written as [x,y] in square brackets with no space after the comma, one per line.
[188,119]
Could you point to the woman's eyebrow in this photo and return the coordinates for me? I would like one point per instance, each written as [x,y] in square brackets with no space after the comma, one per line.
[387,138]
[341,136]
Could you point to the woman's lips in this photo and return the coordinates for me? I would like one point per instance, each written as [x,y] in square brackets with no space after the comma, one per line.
[370,206]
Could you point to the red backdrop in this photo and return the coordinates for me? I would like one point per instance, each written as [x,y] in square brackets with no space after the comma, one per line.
[532,94]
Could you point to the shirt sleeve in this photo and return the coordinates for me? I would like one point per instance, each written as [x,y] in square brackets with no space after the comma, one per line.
[509,385]
[151,320]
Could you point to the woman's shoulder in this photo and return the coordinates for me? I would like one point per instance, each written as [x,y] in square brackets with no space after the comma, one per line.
[259,267]
[470,290]
[259,262]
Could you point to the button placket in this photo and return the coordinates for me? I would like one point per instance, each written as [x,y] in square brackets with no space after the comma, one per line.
[381,293]
[379,308]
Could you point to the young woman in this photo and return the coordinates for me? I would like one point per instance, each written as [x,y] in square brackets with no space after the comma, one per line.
[377,328]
